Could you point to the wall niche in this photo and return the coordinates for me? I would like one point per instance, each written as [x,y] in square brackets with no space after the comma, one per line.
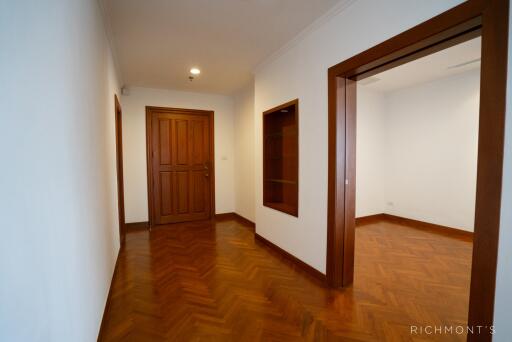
[281,158]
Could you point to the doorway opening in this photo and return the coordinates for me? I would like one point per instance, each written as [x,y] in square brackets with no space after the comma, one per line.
[119,169]
[416,165]
[180,161]
[464,22]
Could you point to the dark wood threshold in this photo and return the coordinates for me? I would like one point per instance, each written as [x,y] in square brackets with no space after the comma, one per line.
[101,333]
[430,227]
[136,226]
[297,263]
[236,217]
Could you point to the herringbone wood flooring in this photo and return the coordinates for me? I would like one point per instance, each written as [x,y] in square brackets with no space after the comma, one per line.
[211,282]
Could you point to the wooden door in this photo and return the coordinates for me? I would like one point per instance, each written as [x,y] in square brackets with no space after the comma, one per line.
[181,145]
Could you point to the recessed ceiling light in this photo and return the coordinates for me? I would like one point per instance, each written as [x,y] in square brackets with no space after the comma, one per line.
[195,71]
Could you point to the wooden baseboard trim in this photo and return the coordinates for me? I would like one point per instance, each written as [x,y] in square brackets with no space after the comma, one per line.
[431,227]
[236,217]
[225,216]
[107,304]
[245,221]
[299,264]
[361,221]
[137,226]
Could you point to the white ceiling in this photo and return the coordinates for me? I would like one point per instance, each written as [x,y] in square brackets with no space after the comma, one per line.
[156,42]
[441,64]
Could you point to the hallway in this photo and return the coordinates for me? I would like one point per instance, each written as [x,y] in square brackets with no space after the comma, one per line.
[254,137]
[212,281]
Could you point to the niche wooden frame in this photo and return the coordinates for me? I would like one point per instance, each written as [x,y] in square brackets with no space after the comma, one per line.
[488,18]
[291,209]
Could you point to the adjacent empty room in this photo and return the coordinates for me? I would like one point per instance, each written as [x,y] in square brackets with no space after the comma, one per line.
[417,150]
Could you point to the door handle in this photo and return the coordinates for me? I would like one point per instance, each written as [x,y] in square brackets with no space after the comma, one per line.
[205,165]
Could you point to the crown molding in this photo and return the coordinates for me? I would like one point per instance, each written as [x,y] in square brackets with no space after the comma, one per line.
[317,23]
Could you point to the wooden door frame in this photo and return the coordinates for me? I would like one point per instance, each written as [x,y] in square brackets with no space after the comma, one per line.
[150,110]
[119,169]
[488,18]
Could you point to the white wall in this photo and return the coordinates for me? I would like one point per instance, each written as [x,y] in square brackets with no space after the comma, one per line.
[371,152]
[425,161]
[503,299]
[301,72]
[244,152]
[134,145]
[432,146]
[58,185]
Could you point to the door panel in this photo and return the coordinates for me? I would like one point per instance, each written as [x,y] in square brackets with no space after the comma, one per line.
[198,185]
[166,191]
[198,133]
[182,192]
[182,141]
[165,150]
[181,161]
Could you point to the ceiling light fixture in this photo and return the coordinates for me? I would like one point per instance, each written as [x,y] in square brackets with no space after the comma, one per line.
[195,71]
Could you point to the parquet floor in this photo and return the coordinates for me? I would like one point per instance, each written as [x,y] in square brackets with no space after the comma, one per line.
[211,282]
